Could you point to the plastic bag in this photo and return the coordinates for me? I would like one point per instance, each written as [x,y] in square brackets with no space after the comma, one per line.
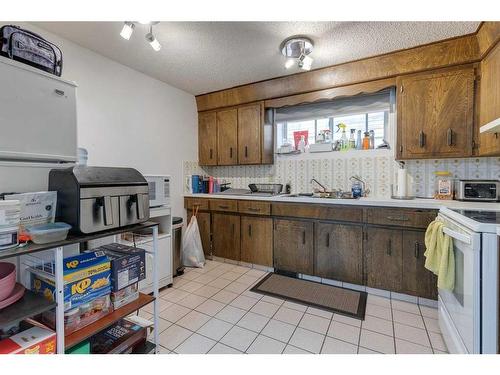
[192,248]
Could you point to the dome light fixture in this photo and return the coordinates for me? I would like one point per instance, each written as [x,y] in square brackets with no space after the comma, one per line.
[297,49]
[128,29]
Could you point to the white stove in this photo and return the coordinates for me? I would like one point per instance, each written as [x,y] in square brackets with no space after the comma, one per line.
[468,315]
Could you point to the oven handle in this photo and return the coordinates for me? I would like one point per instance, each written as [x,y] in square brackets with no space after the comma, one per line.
[458,236]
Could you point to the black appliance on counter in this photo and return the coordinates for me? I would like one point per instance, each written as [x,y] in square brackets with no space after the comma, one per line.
[94,199]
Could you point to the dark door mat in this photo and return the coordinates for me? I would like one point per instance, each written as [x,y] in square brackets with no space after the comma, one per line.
[342,301]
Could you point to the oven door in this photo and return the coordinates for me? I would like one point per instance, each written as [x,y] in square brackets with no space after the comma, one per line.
[461,306]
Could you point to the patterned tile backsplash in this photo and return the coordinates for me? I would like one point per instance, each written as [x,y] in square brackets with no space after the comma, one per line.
[377,168]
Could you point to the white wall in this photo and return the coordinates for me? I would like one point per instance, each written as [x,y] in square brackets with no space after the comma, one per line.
[126,118]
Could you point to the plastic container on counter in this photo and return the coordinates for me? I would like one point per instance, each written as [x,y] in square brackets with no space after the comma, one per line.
[46,233]
[443,186]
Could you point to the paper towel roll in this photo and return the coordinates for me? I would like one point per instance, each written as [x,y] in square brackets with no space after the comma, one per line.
[402,183]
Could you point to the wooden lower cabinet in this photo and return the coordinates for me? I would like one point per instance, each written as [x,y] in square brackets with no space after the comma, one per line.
[338,253]
[383,258]
[226,235]
[257,240]
[203,219]
[294,246]
[417,280]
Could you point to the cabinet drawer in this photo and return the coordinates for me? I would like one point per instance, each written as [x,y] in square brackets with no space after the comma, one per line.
[316,211]
[192,203]
[254,207]
[223,205]
[400,217]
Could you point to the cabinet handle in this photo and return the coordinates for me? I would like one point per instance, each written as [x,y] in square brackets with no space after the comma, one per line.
[449,137]
[397,218]
[59,92]
[252,209]
[303,237]
[224,207]
[421,139]
[328,240]
[230,152]
[211,153]
[246,151]
[389,248]
[232,228]
[249,230]
[417,249]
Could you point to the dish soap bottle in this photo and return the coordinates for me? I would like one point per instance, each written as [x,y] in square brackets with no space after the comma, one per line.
[344,144]
[366,141]
[356,189]
[359,144]
[352,141]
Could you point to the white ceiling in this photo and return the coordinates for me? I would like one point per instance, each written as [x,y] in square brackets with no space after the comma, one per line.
[201,57]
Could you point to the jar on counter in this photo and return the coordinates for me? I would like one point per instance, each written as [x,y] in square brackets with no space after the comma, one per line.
[443,186]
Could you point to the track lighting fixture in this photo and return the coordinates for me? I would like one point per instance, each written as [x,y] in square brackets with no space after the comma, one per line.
[297,50]
[128,29]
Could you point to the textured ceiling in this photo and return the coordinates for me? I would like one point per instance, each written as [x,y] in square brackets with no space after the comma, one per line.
[201,57]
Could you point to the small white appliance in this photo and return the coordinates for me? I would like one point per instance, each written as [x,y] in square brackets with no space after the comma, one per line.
[468,315]
[159,190]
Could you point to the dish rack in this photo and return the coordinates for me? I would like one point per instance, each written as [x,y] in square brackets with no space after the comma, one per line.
[273,189]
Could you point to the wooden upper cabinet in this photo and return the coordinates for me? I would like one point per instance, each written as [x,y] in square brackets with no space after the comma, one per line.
[207,138]
[227,137]
[249,134]
[489,102]
[435,114]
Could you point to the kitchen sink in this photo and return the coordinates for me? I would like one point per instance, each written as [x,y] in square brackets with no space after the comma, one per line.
[327,195]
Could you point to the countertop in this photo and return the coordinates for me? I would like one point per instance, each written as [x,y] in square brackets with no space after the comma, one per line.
[380,202]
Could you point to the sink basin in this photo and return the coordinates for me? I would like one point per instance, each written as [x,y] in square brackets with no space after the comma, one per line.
[328,195]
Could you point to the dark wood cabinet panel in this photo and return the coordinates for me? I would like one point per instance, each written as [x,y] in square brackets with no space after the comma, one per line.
[207,138]
[294,246]
[254,207]
[226,235]
[416,280]
[435,114]
[383,258]
[318,211]
[257,240]
[192,203]
[204,226]
[489,102]
[230,205]
[338,253]
[401,217]
[227,137]
[249,134]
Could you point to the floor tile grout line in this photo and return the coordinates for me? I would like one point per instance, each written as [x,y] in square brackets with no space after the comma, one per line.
[427,332]
[393,331]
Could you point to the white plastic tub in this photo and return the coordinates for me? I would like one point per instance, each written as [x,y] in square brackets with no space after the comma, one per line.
[46,233]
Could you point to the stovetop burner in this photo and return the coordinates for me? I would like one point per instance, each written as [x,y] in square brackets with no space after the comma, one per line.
[488,217]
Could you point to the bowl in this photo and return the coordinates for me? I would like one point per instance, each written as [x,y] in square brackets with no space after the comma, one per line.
[7,279]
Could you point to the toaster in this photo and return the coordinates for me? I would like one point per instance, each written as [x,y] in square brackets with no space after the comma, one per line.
[94,199]
[477,190]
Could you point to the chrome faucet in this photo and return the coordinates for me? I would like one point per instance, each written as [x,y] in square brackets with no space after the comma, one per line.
[363,185]
[319,183]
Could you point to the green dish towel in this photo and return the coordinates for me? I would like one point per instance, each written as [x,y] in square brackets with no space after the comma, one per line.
[439,255]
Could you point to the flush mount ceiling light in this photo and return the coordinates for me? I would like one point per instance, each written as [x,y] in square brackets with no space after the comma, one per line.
[297,49]
[128,29]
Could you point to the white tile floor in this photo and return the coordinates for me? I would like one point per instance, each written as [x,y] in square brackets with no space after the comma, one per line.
[211,310]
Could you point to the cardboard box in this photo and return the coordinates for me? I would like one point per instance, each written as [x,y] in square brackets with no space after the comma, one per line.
[119,338]
[128,265]
[86,277]
[34,339]
[36,208]
[125,296]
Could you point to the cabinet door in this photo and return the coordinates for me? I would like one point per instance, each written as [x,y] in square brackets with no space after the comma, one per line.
[227,137]
[249,134]
[205,232]
[226,236]
[338,252]
[383,258]
[207,138]
[293,246]
[257,240]
[435,114]
[489,102]
[417,280]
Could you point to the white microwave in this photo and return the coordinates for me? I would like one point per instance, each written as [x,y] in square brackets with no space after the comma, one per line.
[159,190]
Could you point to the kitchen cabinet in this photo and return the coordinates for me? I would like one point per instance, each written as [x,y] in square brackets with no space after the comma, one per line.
[338,253]
[383,258]
[416,279]
[204,226]
[38,111]
[207,138]
[489,102]
[227,137]
[257,240]
[435,114]
[294,246]
[226,235]
[249,134]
